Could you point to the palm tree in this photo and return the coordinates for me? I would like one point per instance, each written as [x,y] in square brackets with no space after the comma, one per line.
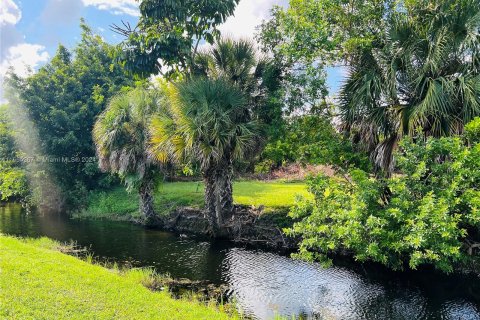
[230,59]
[423,78]
[121,138]
[238,62]
[209,120]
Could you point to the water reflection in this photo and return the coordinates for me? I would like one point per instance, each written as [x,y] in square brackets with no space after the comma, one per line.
[278,285]
[266,284]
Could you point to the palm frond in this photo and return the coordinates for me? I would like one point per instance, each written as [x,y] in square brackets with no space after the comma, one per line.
[422,77]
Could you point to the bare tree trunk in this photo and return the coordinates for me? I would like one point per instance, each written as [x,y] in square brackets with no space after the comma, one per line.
[146,202]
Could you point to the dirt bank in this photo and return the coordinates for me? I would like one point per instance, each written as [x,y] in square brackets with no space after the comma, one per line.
[246,225]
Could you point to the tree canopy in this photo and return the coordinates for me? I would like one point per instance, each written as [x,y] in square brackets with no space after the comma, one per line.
[423,75]
[13,179]
[169,32]
[62,100]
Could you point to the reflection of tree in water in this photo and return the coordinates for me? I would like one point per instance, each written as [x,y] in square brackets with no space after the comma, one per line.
[267,284]
[13,222]
[133,245]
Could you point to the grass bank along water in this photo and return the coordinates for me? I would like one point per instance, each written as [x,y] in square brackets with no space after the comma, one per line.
[37,281]
[259,216]
[262,283]
[117,204]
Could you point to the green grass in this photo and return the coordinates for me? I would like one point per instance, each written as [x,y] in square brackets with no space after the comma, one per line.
[39,282]
[118,204]
[273,194]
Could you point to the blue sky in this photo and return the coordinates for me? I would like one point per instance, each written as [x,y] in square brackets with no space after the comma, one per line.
[31,30]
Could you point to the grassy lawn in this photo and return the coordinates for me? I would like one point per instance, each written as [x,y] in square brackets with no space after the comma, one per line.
[39,282]
[117,203]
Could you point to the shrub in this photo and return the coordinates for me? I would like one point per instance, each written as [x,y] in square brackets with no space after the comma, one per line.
[472,131]
[13,182]
[428,214]
[312,140]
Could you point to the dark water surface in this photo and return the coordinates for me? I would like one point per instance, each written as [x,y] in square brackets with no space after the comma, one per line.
[265,284]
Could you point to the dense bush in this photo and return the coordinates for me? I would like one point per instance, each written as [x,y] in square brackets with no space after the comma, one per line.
[472,131]
[310,140]
[428,214]
[13,180]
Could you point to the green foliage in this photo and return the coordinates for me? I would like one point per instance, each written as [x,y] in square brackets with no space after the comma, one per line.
[472,131]
[303,82]
[422,75]
[39,282]
[169,32]
[117,204]
[8,149]
[13,182]
[62,100]
[312,140]
[123,144]
[121,137]
[13,179]
[427,214]
[258,77]
[311,34]
[331,29]
[208,120]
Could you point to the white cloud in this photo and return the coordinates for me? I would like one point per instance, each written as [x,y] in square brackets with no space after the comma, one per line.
[15,53]
[248,15]
[119,7]
[23,58]
[9,12]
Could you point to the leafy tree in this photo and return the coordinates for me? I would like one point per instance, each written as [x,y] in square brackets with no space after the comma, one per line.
[8,149]
[121,138]
[326,30]
[310,35]
[62,100]
[422,76]
[208,121]
[431,214]
[312,139]
[13,182]
[13,179]
[169,32]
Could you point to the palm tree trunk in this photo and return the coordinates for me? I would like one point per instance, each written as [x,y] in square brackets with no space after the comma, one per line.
[146,202]
[218,195]
[224,191]
[210,199]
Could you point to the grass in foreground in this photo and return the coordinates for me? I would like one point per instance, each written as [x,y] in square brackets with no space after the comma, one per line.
[38,282]
[119,204]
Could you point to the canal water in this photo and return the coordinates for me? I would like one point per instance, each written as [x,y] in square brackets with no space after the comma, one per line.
[265,284]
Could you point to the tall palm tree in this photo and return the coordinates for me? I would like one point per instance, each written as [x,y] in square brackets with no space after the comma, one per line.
[422,78]
[235,60]
[121,139]
[238,62]
[208,120]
